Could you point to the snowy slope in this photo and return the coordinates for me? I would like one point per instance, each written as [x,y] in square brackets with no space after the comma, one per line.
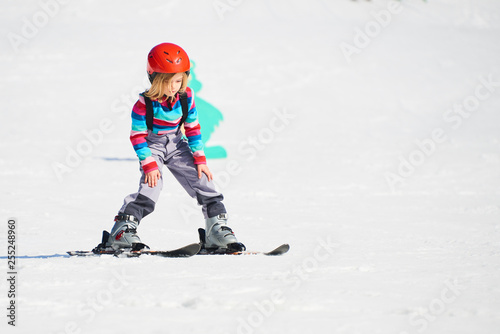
[365,134]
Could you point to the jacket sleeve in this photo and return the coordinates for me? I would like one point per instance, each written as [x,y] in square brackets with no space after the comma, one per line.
[193,131]
[138,136]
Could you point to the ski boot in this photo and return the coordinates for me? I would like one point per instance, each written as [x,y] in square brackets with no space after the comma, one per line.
[124,234]
[218,237]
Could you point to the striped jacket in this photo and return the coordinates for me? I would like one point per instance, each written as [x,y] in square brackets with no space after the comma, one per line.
[166,119]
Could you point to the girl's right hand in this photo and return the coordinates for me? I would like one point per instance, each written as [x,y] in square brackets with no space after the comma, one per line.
[152,178]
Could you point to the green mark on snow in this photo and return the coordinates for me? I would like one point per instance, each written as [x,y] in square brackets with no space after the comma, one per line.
[209,118]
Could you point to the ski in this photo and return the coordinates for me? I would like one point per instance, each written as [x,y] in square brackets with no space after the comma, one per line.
[185,251]
[275,252]
[237,248]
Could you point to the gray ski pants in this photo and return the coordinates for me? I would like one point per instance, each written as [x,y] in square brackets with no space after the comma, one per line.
[173,151]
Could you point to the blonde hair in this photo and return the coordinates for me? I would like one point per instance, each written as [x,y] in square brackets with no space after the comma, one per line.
[162,81]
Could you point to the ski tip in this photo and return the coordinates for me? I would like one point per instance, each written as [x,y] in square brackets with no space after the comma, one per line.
[193,248]
[279,250]
[186,251]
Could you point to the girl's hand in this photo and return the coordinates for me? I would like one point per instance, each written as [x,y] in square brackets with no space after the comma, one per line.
[204,169]
[152,178]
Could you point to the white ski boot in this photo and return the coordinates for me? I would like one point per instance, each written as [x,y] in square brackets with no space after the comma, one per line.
[124,234]
[219,237]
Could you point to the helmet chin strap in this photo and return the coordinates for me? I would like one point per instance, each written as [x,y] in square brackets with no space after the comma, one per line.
[151,77]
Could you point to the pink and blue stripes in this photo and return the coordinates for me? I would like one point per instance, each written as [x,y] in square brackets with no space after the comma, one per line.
[166,119]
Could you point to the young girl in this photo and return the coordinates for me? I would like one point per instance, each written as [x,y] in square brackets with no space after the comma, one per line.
[168,69]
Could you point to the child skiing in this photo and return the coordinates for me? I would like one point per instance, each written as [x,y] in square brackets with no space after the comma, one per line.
[158,141]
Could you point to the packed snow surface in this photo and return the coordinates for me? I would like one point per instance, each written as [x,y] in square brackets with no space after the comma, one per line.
[366,134]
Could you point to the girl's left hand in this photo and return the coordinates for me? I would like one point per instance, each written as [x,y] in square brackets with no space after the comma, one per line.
[204,169]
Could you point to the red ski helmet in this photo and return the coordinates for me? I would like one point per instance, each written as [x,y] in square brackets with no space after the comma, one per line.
[167,58]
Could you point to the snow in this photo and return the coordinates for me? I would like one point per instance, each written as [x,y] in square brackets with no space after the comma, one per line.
[363,133]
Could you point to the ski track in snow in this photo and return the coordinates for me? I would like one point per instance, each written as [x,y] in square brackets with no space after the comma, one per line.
[368,255]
